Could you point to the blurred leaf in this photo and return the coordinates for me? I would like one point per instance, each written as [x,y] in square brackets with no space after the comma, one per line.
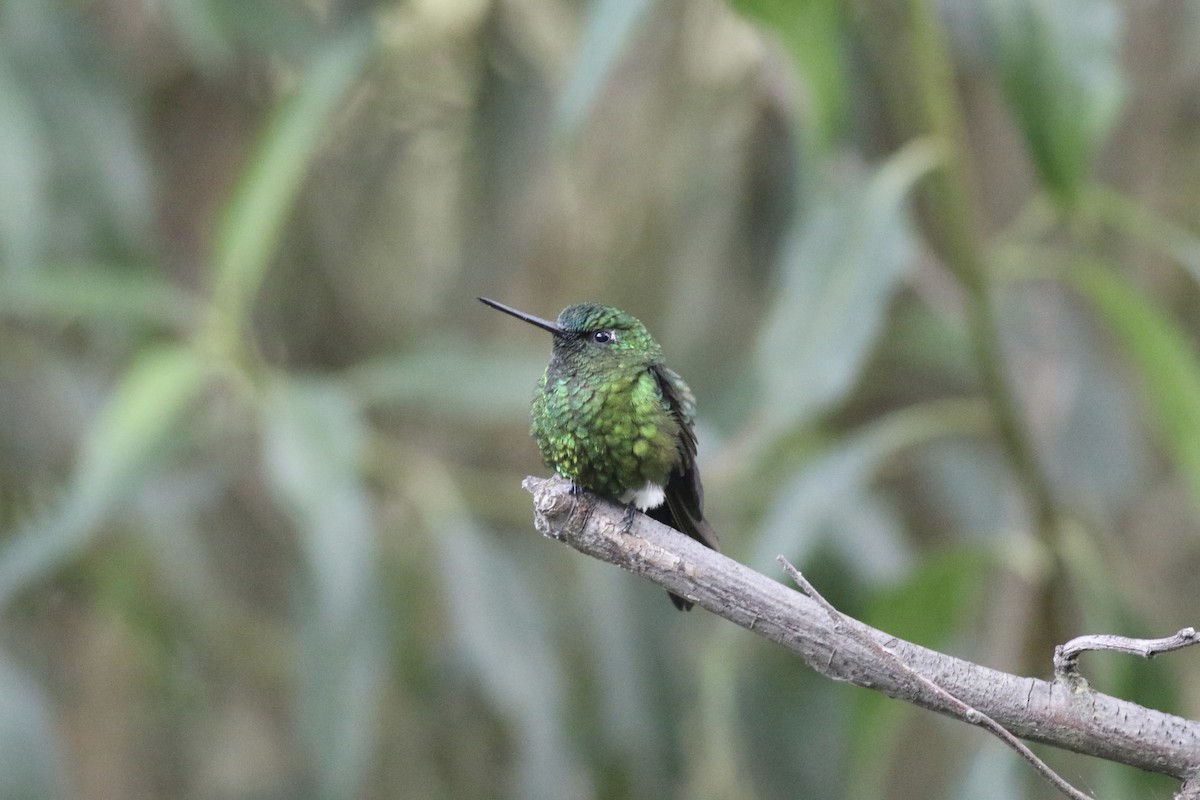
[24,175]
[840,269]
[63,293]
[995,773]
[92,183]
[870,536]
[99,154]
[973,487]
[314,443]
[1165,358]
[172,520]
[451,377]
[719,765]
[811,30]
[792,723]
[1060,65]
[929,344]
[120,450]
[626,656]
[197,24]
[609,26]
[501,628]
[932,603]
[807,505]
[1089,440]
[1140,221]
[927,609]
[213,30]
[503,632]
[150,399]
[31,758]
[72,168]
[255,215]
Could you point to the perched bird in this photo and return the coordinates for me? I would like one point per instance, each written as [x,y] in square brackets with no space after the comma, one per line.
[609,415]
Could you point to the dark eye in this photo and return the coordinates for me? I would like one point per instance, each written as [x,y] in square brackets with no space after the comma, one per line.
[603,337]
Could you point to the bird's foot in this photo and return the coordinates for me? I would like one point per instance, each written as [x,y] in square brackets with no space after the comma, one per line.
[626,524]
[583,506]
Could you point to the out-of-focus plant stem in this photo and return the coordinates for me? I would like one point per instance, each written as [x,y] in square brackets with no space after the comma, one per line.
[953,228]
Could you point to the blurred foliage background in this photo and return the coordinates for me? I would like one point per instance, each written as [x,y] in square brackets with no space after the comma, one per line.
[929,267]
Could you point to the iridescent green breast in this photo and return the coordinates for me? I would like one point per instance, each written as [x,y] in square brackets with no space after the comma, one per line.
[607,433]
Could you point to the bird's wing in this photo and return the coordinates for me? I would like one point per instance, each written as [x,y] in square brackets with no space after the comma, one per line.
[684,492]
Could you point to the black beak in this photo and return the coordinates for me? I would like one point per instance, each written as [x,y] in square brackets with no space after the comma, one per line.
[544,324]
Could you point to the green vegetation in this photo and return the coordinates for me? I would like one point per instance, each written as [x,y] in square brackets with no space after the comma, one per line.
[929,267]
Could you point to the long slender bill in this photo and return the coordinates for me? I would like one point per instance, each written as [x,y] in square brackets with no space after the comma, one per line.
[545,324]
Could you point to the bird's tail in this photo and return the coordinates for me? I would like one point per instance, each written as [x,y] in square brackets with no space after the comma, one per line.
[680,517]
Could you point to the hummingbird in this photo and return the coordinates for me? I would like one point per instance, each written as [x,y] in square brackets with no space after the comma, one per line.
[611,417]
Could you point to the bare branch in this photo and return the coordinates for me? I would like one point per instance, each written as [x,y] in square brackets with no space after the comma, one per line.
[1053,713]
[1066,656]
[966,713]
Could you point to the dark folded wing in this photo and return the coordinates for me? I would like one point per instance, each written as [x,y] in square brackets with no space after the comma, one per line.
[685,494]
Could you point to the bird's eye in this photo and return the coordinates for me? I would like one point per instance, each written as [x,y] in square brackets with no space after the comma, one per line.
[604,337]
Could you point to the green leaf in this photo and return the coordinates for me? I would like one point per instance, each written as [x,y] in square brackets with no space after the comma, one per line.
[136,424]
[811,30]
[255,216]
[1164,358]
[1136,219]
[65,293]
[840,269]
[121,449]
[314,444]
[1060,66]
[929,606]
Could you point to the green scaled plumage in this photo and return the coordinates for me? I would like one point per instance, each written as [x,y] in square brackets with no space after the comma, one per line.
[611,417]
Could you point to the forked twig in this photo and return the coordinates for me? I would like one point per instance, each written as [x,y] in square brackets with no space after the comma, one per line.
[965,712]
[1066,656]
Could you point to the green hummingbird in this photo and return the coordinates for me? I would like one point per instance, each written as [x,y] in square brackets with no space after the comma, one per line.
[610,416]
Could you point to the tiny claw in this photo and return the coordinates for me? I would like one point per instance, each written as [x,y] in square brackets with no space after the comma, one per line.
[583,503]
[626,525]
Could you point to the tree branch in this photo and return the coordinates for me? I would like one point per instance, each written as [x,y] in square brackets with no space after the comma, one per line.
[1053,713]
[1066,656]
